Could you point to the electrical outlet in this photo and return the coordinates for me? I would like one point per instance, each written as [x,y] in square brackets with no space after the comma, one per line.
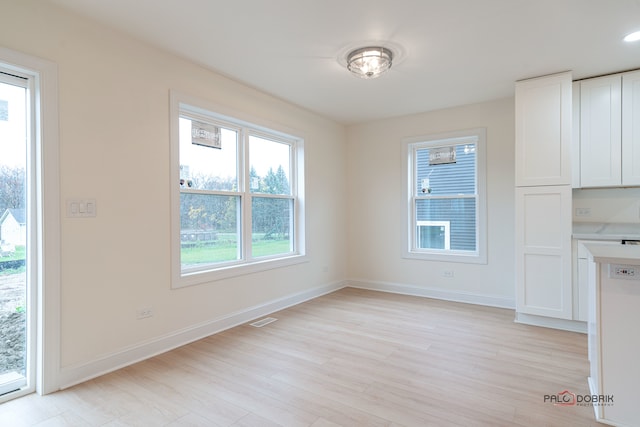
[628,272]
[145,312]
[447,273]
[583,211]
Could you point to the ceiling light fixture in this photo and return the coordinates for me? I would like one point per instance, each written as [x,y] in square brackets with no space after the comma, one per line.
[633,37]
[369,62]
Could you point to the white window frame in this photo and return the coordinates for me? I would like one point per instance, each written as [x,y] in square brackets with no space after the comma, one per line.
[179,104]
[409,234]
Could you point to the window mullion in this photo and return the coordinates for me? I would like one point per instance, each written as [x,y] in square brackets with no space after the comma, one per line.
[447,196]
[248,197]
[211,192]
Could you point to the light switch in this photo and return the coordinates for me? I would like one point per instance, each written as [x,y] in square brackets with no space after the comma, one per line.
[81,208]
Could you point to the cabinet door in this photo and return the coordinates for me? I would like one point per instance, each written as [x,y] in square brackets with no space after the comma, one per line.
[582,312]
[575,136]
[593,328]
[581,282]
[543,251]
[543,130]
[631,128]
[600,132]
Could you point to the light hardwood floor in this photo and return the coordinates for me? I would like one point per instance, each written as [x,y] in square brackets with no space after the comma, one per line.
[351,358]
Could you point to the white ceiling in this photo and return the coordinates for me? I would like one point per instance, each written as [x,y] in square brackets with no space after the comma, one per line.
[452,52]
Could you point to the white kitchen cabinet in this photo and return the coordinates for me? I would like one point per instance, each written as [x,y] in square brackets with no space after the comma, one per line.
[543,130]
[575,135]
[610,131]
[581,278]
[543,251]
[631,128]
[600,131]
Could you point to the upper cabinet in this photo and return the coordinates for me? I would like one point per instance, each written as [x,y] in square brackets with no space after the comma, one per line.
[610,131]
[631,128]
[543,130]
[600,131]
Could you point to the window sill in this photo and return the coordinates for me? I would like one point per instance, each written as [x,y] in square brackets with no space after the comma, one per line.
[199,277]
[473,258]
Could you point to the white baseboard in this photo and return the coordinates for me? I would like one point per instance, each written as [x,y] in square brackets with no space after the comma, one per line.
[550,322]
[597,410]
[78,373]
[470,298]
[435,293]
[75,374]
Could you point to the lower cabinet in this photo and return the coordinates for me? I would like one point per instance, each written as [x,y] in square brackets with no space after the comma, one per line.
[581,277]
[543,251]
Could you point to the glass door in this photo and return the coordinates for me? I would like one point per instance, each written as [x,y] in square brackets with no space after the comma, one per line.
[15,292]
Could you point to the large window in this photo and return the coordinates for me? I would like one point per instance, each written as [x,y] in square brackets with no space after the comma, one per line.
[237,194]
[445,205]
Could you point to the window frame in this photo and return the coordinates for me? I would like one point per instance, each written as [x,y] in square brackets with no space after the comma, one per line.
[180,105]
[409,234]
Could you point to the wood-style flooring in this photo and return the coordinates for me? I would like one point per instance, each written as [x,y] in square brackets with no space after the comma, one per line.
[350,358]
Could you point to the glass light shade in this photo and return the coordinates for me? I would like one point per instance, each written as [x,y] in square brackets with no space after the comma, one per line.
[369,62]
[633,37]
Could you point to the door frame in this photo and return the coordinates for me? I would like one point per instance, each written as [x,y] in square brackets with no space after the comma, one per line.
[45,131]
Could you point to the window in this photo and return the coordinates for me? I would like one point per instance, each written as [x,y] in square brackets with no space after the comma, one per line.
[445,205]
[237,196]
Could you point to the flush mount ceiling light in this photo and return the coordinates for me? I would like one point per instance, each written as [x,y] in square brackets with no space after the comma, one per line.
[633,37]
[369,62]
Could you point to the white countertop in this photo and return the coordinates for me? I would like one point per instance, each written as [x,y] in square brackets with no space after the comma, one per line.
[614,254]
[605,231]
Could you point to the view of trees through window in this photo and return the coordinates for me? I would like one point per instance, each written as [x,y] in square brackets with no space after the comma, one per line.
[12,188]
[213,213]
[13,232]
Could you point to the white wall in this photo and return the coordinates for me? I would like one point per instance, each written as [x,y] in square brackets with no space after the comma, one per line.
[114,139]
[375,207]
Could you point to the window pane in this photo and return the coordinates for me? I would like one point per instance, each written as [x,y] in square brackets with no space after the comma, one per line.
[437,218]
[14,243]
[450,178]
[270,171]
[272,225]
[204,165]
[209,229]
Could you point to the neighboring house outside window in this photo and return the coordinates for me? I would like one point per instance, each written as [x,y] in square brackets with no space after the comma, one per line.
[237,196]
[13,227]
[445,206]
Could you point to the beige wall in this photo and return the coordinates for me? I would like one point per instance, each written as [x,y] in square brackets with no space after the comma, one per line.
[114,139]
[114,147]
[375,204]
